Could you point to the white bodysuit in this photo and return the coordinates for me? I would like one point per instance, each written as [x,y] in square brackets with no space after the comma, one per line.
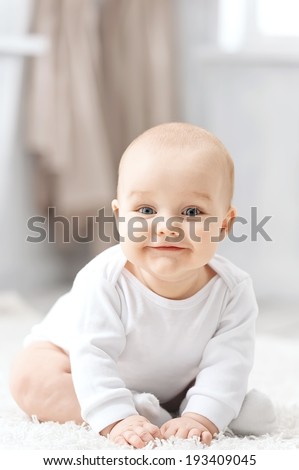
[123,337]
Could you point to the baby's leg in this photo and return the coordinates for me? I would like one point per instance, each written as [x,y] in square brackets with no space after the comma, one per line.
[148,406]
[42,385]
[256,417]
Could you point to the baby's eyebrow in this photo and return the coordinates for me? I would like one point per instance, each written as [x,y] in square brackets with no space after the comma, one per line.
[139,193]
[201,195]
[191,193]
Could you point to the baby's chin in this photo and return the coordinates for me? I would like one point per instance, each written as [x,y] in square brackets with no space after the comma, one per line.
[165,269]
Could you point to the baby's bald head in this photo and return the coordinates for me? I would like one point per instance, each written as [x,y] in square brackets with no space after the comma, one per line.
[192,144]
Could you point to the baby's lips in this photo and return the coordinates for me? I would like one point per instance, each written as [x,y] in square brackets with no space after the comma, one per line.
[163,247]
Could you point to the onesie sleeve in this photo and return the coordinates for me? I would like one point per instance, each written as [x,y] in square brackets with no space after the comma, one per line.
[222,379]
[98,339]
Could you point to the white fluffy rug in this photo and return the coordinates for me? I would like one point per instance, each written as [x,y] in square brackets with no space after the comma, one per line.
[276,373]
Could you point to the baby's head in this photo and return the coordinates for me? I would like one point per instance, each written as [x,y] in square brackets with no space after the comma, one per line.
[175,186]
[186,146]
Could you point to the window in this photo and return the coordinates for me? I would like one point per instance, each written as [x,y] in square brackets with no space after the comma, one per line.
[259,24]
[278,17]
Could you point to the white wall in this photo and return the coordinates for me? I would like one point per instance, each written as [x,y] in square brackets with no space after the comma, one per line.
[252,105]
[255,111]
[23,266]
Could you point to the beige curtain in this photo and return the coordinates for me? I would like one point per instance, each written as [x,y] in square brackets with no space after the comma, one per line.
[66,126]
[108,75]
[140,60]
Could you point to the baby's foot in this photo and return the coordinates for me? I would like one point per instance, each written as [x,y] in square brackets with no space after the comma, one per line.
[148,406]
[257,415]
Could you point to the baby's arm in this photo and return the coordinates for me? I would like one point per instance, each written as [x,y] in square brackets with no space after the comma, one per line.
[134,430]
[221,382]
[189,425]
[98,339]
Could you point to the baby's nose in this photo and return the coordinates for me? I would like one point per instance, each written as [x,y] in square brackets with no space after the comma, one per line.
[167,225]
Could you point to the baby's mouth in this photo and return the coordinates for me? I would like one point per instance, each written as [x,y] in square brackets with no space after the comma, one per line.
[167,248]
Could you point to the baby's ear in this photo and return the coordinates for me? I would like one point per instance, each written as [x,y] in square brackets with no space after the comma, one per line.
[228,222]
[115,207]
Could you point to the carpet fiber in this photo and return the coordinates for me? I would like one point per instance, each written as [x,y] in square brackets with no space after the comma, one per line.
[276,373]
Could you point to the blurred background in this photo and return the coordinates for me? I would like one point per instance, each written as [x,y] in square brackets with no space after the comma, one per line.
[79,79]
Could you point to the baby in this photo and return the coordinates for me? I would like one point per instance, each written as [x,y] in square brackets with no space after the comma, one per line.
[156,337]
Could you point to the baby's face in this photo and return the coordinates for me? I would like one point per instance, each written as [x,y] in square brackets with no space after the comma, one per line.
[171,205]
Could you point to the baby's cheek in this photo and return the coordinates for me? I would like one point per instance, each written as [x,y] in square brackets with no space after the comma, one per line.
[206,233]
[193,231]
[211,230]
[133,229]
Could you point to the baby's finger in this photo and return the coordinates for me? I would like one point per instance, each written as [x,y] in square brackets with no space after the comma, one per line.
[164,428]
[206,437]
[120,440]
[181,433]
[195,432]
[169,431]
[144,434]
[133,439]
[153,430]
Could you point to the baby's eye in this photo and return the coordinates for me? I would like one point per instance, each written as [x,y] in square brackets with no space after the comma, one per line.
[146,210]
[191,212]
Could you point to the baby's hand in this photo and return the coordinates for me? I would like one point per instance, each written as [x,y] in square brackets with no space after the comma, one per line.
[134,430]
[189,425]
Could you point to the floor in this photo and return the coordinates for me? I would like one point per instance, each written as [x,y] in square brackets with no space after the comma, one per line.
[279,320]
[277,353]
